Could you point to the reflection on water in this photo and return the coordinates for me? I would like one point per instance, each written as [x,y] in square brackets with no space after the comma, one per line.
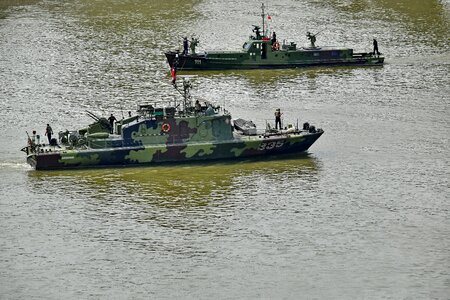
[182,197]
[269,76]
[176,186]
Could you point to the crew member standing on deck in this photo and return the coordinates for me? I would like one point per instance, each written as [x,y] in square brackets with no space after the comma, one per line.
[375,47]
[312,39]
[185,46]
[198,107]
[194,43]
[49,132]
[33,137]
[278,114]
[111,122]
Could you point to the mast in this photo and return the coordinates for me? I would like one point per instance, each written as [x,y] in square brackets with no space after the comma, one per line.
[185,93]
[263,15]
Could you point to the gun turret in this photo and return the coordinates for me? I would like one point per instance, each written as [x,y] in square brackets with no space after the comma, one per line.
[312,38]
[92,115]
[256,30]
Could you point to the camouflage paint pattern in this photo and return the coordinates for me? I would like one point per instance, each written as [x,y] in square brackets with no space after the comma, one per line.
[172,139]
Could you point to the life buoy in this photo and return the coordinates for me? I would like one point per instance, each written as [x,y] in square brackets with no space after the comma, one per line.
[276,46]
[165,127]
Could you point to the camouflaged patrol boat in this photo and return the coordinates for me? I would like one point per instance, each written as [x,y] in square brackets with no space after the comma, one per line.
[262,52]
[166,135]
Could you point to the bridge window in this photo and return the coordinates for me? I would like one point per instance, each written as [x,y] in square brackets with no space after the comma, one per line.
[247,46]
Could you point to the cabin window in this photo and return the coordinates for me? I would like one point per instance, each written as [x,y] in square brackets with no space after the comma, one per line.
[247,46]
[264,51]
[335,53]
[316,54]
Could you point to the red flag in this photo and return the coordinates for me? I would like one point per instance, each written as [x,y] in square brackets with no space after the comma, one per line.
[269,17]
[174,75]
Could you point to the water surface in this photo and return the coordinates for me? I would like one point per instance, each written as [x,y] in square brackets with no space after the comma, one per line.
[364,214]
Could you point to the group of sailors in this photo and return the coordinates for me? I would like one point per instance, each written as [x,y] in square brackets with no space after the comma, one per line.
[276,44]
[312,39]
[189,45]
[35,138]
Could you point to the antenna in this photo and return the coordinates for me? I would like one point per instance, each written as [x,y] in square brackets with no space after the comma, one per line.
[263,15]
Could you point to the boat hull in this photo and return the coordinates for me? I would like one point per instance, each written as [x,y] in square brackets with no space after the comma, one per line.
[231,61]
[173,153]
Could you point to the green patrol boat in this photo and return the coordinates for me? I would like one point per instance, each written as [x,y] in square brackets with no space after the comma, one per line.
[186,132]
[262,52]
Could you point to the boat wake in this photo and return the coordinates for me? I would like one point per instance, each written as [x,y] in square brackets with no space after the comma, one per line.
[16,165]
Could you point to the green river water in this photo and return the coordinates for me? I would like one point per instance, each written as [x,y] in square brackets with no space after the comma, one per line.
[364,215]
